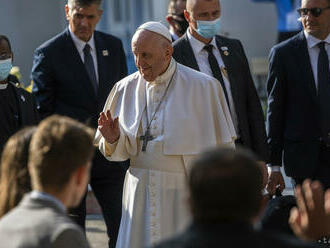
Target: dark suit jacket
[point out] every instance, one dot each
(39, 223)
(230, 236)
(292, 119)
(61, 82)
(28, 114)
(247, 104)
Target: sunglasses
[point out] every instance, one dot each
(316, 12)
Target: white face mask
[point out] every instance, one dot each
(5, 67)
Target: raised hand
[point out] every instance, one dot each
(109, 127)
(310, 220)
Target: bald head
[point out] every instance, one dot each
(152, 53)
(191, 4)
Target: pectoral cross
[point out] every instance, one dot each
(146, 138)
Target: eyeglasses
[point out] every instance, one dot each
(316, 12)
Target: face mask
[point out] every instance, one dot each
(5, 67)
(182, 25)
(208, 29)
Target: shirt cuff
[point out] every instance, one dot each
(274, 168)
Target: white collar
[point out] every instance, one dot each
(313, 41)
(166, 76)
(3, 86)
(80, 44)
(197, 45)
(174, 35)
(45, 196)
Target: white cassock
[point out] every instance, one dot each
(192, 117)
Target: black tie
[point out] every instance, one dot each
(216, 69)
(89, 64)
(323, 78)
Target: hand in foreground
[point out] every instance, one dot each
(310, 220)
(275, 178)
(264, 172)
(109, 127)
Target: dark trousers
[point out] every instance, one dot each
(107, 179)
(322, 173)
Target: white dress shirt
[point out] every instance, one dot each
(201, 56)
(80, 45)
(47, 197)
(314, 50)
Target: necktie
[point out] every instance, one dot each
(216, 69)
(323, 78)
(89, 64)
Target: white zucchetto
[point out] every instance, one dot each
(158, 28)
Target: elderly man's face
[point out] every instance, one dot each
(82, 21)
(151, 55)
(319, 26)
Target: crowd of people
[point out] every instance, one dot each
(178, 154)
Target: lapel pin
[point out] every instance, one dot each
(224, 71)
(23, 98)
(225, 50)
(105, 53)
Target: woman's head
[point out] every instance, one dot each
(14, 175)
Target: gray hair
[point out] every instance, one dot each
(84, 3)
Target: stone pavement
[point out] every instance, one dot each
(96, 231)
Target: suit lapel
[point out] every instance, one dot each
(188, 53)
(226, 51)
(81, 77)
(301, 52)
(103, 63)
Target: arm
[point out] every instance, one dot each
(44, 83)
(275, 119)
(255, 114)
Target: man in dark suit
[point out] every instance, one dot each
(61, 151)
(219, 182)
(18, 107)
(298, 118)
(73, 74)
(201, 49)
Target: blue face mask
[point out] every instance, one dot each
(5, 67)
(208, 29)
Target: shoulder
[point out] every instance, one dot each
(68, 234)
(107, 38)
(192, 76)
(181, 42)
(55, 42)
(128, 81)
(287, 45)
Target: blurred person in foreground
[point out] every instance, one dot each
(225, 192)
(14, 176)
(59, 164)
